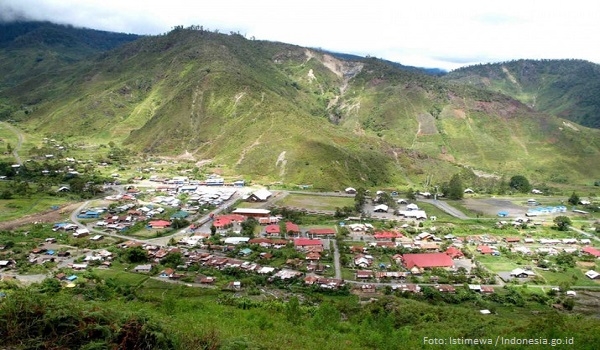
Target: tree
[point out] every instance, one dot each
(213, 230)
(574, 199)
(410, 194)
(562, 222)
(360, 199)
(172, 260)
(136, 255)
(454, 189)
(520, 183)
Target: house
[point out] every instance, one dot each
(291, 228)
(261, 195)
(387, 235)
(207, 280)
(468, 190)
(407, 288)
(159, 224)
(166, 273)
(481, 289)
(143, 268)
(180, 215)
(446, 288)
(592, 251)
(521, 273)
(90, 214)
(251, 212)
(81, 232)
(313, 256)
(321, 232)
(350, 190)
(272, 229)
(485, 249)
(368, 288)
(427, 260)
(363, 261)
(593, 274)
(512, 240)
(81, 266)
(269, 220)
(245, 251)
(381, 208)
(364, 274)
(304, 243)
(454, 252)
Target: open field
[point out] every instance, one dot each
(310, 202)
(25, 210)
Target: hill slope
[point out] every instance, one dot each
(567, 88)
(281, 112)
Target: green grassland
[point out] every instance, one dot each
(19, 207)
(312, 202)
(253, 108)
(199, 317)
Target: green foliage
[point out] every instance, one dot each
(568, 88)
(520, 183)
(359, 199)
(172, 260)
(562, 222)
(248, 227)
(454, 188)
(574, 199)
(136, 255)
(34, 320)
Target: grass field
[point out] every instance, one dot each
(497, 263)
(573, 276)
(311, 202)
(11, 209)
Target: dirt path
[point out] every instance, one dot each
(46, 216)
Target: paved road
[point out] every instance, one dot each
(20, 139)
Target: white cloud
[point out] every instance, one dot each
(425, 33)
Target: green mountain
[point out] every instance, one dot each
(566, 88)
(278, 112)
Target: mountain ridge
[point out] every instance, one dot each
(281, 112)
(566, 88)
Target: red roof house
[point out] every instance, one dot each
(272, 229)
(454, 252)
(306, 242)
(427, 260)
(592, 251)
(159, 223)
(387, 235)
(290, 227)
(485, 249)
(321, 232)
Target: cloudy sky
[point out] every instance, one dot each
(426, 33)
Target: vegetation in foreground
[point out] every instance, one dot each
(113, 314)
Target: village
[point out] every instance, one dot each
(216, 235)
